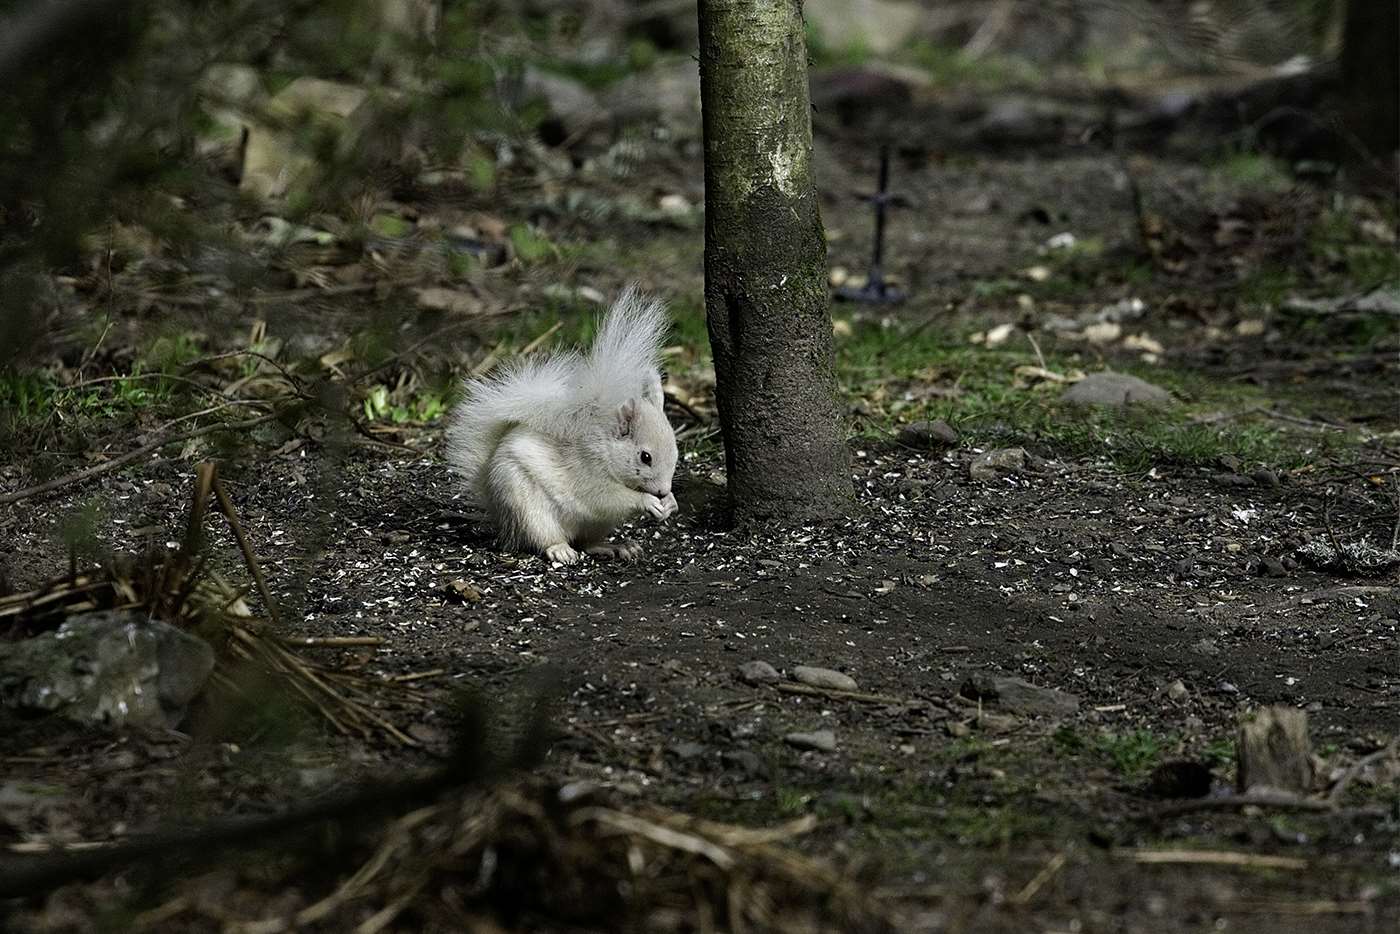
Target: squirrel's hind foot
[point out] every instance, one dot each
(626, 549)
(562, 553)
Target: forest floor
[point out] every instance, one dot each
(1146, 563)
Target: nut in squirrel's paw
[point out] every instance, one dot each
(563, 449)
(663, 507)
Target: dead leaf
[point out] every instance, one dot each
(464, 590)
(442, 299)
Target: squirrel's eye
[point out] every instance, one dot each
(646, 458)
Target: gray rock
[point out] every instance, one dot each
(927, 435)
(746, 762)
(758, 672)
(1018, 696)
(670, 90)
(107, 668)
(990, 464)
(823, 678)
(1206, 647)
(1115, 389)
(1264, 477)
(820, 740)
(567, 99)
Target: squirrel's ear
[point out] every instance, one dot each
(626, 414)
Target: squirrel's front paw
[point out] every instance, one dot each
(562, 553)
(662, 507)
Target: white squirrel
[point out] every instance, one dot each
(562, 449)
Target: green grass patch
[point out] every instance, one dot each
(1130, 754)
(901, 374)
(1256, 170)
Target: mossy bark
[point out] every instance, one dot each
(765, 267)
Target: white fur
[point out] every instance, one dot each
(552, 446)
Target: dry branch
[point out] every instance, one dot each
(97, 470)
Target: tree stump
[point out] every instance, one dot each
(1273, 752)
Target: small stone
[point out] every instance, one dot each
(1178, 691)
(1018, 696)
(1264, 477)
(675, 204)
(989, 464)
(820, 740)
(742, 760)
(1206, 647)
(1115, 389)
(997, 723)
(758, 672)
(1270, 566)
(926, 435)
(1105, 332)
(823, 678)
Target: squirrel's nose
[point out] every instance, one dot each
(662, 494)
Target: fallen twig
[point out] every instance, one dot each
(97, 470)
(1212, 858)
(1334, 797)
(1281, 802)
(334, 641)
(857, 696)
(251, 560)
(1047, 873)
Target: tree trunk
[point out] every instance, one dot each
(1371, 73)
(765, 267)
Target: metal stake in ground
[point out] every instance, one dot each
(876, 291)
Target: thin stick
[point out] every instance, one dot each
(841, 695)
(1284, 802)
(1212, 858)
(97, 470)
(1036, 347)
(1335, 796)
(535, 344)
(419, 675)
(334, 641)
(226, 507)
(1047, 873)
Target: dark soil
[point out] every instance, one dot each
(1169, 603)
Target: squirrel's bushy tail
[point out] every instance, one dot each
(625, 359)
(550, 394)
(534, 391)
